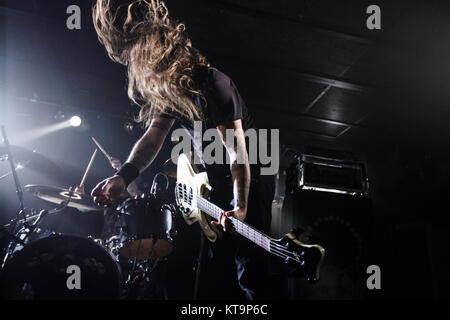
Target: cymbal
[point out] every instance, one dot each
(58, 195)
(31, 159)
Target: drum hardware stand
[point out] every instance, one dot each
(140, 277)
(145, 268)
(29, 229)
(19, 191)
(43, 213)
(12, 237)
(12, 226)
(20, 236)
(142, 269)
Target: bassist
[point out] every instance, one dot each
(172, 81)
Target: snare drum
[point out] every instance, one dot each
(148, 231)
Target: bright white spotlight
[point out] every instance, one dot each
(75, 121)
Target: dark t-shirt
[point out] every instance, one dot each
(223, 104)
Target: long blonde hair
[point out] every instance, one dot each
(159, 57)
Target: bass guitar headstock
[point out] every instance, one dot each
(305, 259)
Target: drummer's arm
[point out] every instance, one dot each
(148, 146)
(132, 189)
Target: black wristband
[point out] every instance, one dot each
(128, 172)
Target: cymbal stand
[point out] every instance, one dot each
(19, 237)
(19, 191)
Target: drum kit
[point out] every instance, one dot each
(39, 264)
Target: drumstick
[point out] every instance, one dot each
(102, 149)
(88, 167)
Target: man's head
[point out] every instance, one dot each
(158, 54)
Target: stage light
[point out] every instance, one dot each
(75, 121)
(24, 137)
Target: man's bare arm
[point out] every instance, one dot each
(142, 155)
(149, 145)
(240, 170)
(132, 188)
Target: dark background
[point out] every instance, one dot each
(310, 68)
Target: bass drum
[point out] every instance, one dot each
(61, 267)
